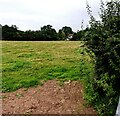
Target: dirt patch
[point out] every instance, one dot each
(51, 98)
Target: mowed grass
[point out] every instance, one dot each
(26, 64)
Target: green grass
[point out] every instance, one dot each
(26, 64)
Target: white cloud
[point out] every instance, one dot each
(31, 14)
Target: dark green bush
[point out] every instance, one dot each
(104, 41)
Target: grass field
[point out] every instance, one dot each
(26, 64)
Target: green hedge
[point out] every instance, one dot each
(103, 37)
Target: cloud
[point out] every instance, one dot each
(31, 14)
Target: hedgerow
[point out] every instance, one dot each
(103, 40)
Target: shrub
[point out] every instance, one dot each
(104, 41)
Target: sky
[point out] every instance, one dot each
(34, 14)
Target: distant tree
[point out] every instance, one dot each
(79, 36)
(29, 35)
(38, 36)
(0, 32)
(48, 33)
(14, 27)
(61, 35)
(9, 33)
(67, 30)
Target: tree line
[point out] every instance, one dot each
(46, 33)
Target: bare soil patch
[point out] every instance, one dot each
(51, 98)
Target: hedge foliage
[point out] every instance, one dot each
(103, 40)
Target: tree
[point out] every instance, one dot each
(49, 33)
(67, 30)
(104, 41)
(80, 35)
(0, 32)
(9, 33)
(29, 35)
(61, 35)
(14, 27)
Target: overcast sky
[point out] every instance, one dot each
(33, 14)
